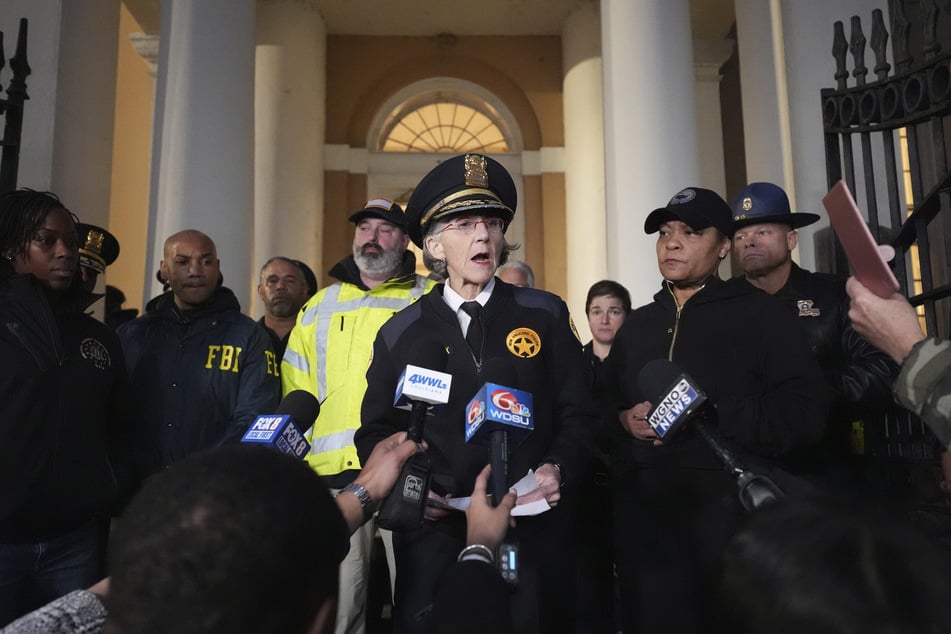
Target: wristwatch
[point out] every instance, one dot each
(360, 492)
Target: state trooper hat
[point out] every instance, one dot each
(761, 203)
(698, 207)
(464, 184)
(97, 247)
(382, 208)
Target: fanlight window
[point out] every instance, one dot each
(443, 127)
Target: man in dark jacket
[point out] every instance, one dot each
(859, 375)
(200, 370)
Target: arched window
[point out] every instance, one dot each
(448, 116)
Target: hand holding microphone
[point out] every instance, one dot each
(682, 400)
(634, 420)
(420, 389)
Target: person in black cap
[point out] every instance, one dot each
(327, 355)
(97, 249)
(859, 375)
(675, 506)
(490, 331)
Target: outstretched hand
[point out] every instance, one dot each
(486, 524)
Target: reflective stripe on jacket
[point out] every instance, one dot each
(328, 354)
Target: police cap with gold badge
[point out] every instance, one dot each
(466, 184)
(766, 203)
(97, 247)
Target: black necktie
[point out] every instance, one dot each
(475, 334)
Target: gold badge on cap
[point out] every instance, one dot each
(523, 342)
(476, 171)
(94, 240)
(747, 203)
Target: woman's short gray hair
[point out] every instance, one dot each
(439, 266)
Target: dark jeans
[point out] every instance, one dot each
(34, 573)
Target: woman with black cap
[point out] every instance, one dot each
(487, 330)
(675, 505)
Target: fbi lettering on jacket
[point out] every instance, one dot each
(223, 357)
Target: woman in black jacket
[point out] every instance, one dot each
(60, 410)
(675, 506)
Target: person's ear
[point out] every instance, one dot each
(162, 274)
(792, 239)
(433, 244)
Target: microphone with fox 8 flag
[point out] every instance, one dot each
(499, 417)
(682, 399)
(284, 429)
(422, 391)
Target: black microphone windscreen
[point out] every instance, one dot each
(656, 377)
(301, 405)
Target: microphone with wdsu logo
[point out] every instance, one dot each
(284, 429)
(422, 391)
(682, 399)
(499, 417)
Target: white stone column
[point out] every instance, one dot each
(709, 57)
(650, 126)
(765, 98)
(785, 49)
(85, 107)
(584, 158)
(289, 101)
(203, 152)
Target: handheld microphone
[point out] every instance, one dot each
(499, 417)
(284, 429)
(420, 389)
(682, 399)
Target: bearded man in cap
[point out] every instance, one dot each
(858, 374)
(484, 330)
(328, 353)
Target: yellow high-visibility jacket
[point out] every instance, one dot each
(328, 354)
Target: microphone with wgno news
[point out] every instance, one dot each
(422, 390)
(499, 417)
(682, 399)
(284, 429)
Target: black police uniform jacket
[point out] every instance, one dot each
(859, 375)
(553, 372)
(748, 355)
(675, 505)
(199, 377)
(62, 419)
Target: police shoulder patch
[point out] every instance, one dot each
(95, 351)
(523, 342)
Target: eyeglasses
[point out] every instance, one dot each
(467, 226)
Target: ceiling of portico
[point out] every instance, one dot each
(711, 19)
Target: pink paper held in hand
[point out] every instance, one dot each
(866, 261)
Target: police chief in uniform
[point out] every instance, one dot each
(518, 337)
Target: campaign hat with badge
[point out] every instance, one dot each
(97, 247)
(764, 203)
(697, 207)
(466, 184)
(382, 208)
